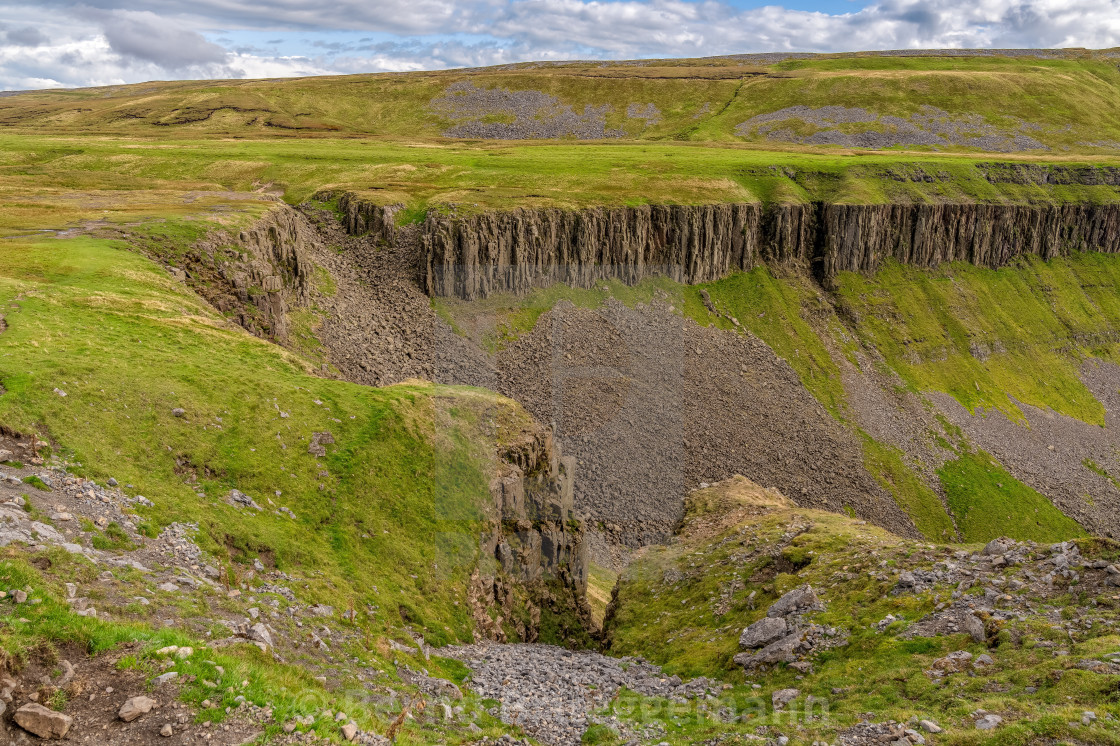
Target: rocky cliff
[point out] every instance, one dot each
(472, 256)
(360, 217)
(255, 275)
(535, 543)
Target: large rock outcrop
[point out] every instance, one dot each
(534, 557)
(361, 217)
(256, 275)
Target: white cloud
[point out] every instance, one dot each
(112, 41)
(147, 37)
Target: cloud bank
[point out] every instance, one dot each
(57, 43)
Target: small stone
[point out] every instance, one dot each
(930, 727)
(44, 723)
(167, 731)
(179, 412)
(184, 652)
(988, 722)
(19, 596)
(259, 633)
(135, 707)
(164, 678)
(350, 731)
(783, 697)
(983, 660)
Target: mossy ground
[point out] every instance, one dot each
(989, 503)
(672, 608)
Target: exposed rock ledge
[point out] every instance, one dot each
(473, 256)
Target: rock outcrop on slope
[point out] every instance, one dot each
(535, 544)
(475, 255)
(256, 275)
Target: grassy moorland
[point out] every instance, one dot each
(1066, 100)
(387, 523)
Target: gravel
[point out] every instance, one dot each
(553, 693)
(632, 394)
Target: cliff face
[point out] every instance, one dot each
(258, 274)
(473, 256)
(360, 217)
(534, 558)
(858, 238)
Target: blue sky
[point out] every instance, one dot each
(61, 43)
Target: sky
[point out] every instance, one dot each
(58, 43)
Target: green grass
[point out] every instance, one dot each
(37, 483)
(988, 503)
(920, 503)
(1070, 101)
(393, 507)
(669, 597)
(993, 338)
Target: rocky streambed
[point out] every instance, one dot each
(555, 694)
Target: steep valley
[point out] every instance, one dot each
(758, 399)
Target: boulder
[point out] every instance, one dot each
(781, 651)
(763, 632)
(135, 707)
(237, 497)
(998, 547)
(975, 628)
(797, 601)
(44, 723)
(954, 662)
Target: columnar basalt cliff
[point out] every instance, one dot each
(473, 256)
(360, 217)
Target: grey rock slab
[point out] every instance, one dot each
(797, 601)
(763, 632)
(44, 723)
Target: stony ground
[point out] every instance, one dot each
(555, 694)
(854, 127)
(632, 394)
(168, 581)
